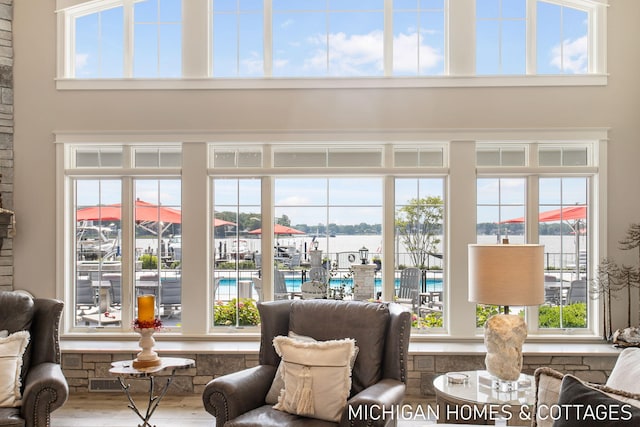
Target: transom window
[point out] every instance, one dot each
(330, 39)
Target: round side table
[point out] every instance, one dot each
(469, 397)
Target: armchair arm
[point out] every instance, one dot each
(377, 405)
(45, 390)
(234, 394)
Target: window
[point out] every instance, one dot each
(501, 36)
(124, 246)
(563, 41)
(560, 207)
(329, 41)
(419, 240)
(157, 38)
(104, 46)
(291, 219)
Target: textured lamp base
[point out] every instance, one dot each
(504, 335)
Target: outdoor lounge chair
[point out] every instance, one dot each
(381, 332)
(577, 292)
(409, 290)
(279, 286)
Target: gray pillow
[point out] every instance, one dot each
(581, 405)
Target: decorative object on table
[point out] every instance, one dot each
(507, 275)
(627, 337)
(146, 324)
(364, 255)
(457, 378)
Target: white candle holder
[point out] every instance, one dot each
(147, 357)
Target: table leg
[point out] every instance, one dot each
(154, 401)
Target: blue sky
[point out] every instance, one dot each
(331, 38)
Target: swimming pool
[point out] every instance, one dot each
(227, 286)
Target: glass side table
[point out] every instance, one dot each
(469, 397)
(124, 370)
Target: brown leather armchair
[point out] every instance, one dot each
(45, 388)
(381, 332)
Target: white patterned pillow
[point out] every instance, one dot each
(11, 350)
(317, 377)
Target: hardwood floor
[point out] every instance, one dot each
(111, 410)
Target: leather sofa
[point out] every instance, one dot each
(381, 332)
(44, 386)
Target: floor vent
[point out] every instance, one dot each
(104, 384)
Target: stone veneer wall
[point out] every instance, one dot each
(80, 367)
(6, 134)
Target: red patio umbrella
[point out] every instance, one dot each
(279, 229)
(564, 214)
(144, 212)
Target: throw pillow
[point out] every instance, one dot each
(626, 371)
(548, 382)
(582, 405)
(11, 351)
(278, 380)
(317, 377)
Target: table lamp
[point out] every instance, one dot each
(506, 275)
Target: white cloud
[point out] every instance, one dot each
(287, 23)
(572, 56)
(405, 51)
(358, 53)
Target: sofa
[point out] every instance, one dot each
(33, 384)
(309, 371)
(563, 400)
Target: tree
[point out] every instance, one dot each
(419, 223)
(630, 242)
(606, 284)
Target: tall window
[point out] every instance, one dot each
(124, 235)
(560, 207)
(419, 246)
(563, 229)
(237, 255)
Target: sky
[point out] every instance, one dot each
(331, 38)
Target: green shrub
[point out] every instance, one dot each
(149, 262)
(231, 265)
(431, 320)
(483, 312)
(573, 316)
(225, 313)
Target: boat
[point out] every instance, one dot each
(95, 243)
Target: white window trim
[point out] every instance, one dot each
(461, 180)
(460, 64)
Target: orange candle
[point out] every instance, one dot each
(146, 308)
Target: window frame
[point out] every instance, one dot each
(460, 174)
(459, 55)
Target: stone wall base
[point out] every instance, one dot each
(79, 368)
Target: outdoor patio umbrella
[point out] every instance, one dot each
(145, 214)
(575, 214)
(563, 214)
(279, 229)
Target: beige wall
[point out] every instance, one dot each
(40, 110)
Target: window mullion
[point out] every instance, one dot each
(387, 57)
(531, 31)
(127, 38)
(267, 17)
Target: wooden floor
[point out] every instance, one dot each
(111, 410)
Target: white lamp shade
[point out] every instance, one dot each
(509, 275)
